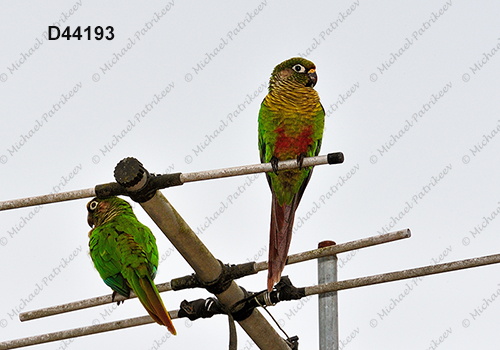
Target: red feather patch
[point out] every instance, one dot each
(288, 147)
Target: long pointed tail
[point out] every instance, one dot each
(280, 237)
(149, 296)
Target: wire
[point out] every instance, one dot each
(265, 308)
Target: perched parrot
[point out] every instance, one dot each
(124, 253)
(291, 123)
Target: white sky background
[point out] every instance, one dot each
(349, 53)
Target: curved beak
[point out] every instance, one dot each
(90, 220)
(313, 78)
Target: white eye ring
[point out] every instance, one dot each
(93, 205)
(299, 68)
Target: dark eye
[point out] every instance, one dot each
(93, 205)
(299, 68)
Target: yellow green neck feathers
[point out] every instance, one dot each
(289, 95)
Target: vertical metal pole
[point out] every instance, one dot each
(328, 302)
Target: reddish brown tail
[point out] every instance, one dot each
(280, 237)
(154, 305)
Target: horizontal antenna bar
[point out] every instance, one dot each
(332, 158)
(79, 332)
(47, 198)
(340, 248)
(260, 266)
(404, 274)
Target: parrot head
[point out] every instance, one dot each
(297, 70)
(101, 211)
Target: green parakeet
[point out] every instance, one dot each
(124, 253)
(291, 123)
